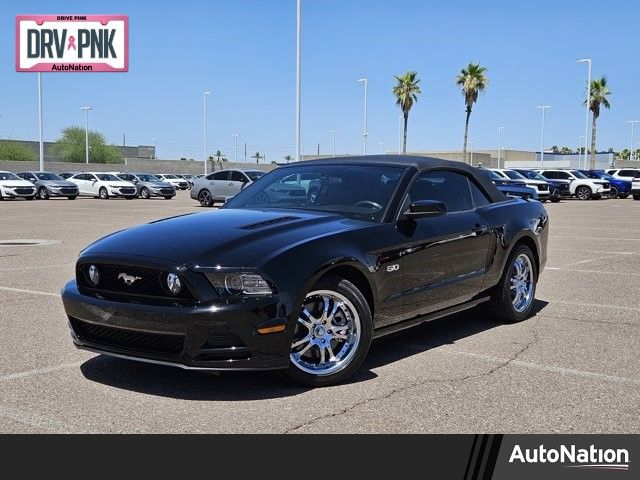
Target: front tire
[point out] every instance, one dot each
(332, 334)
(72, 197)
(144, 193)
(43, 193)
(104, 194)
(583, 193)
(512, 300)
(614, 193)
(205, 198)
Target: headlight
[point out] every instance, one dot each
(173, 283)
(115, 186)
(239, 283)
(94, 274)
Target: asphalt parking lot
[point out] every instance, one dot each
(573, 368)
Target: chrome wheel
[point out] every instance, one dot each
(327, 333)
(521, 283)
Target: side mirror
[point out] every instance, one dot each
(425, 208)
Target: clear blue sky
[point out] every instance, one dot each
(244, 51)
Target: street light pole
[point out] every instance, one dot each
(40, 141)
(543, 108)
(365, 132)
(155, 148)
(334, 133)
(499, 144)
(204, 101)
(298, 75)
(586, 126)
(632, 122)
(236, 153)
(86, 133)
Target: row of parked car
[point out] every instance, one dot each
(555, 184)
(44, 185)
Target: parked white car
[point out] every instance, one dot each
(540, 186)
(103, 185)
(221, 185)
(12, 186)
(177, 182)
(580, 186)
(625, 173)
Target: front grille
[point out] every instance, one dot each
(24, 191)
(127, 191)
(68, 190)
(543, 188)
(125, 339)
(167, 191)
(183, 184)
(149, 282)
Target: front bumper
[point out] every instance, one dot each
(18, 192)
(63, 191)
(220, 335)
(162, 192)
(125, 192)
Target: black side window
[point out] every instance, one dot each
(628, 173)
(223, 175)
(562, 175)
(551, 175)
(478, 196)
(448, 187)
(238, 176)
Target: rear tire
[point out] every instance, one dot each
(636, 196)
(329, 348)
(504, 304)
(43, 193)
(623, 195)
(104, 194)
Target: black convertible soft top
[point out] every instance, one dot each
(421, 164)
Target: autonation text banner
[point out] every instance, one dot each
(72, 43)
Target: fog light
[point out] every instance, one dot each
(94, 274)
(173, 283)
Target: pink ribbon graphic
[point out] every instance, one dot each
(72, 43)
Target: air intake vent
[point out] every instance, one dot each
(267, 223)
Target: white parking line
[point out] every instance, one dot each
(599, 272)
(593, 251)
(596, 238)
(39, 371)
(31, 292)
(549, 368)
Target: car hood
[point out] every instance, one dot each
(120, 183)
(531, 181)
(57, 183)
(15, 183)
(157, 184)
(226, 238)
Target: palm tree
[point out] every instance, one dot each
(472, 80)
(219, 155)
(406, 91)
(287, 158)
(599, 97)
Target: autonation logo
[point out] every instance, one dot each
(574, 457)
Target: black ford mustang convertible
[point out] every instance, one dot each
(303, 268)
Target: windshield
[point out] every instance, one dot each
(8, 176)
(187, 176)
(148, 178)
(356, 191)
(533, 175)
(493, 175)
(254, 174)
(173, 177)
(107, 177)
(513, 175)
(578, 174)
(48, 176)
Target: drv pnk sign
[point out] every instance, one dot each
(72, 43)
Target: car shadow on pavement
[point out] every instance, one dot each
(246, 386)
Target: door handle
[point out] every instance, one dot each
(480, 229)
(230, 184)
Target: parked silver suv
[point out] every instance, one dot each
(221, 185)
